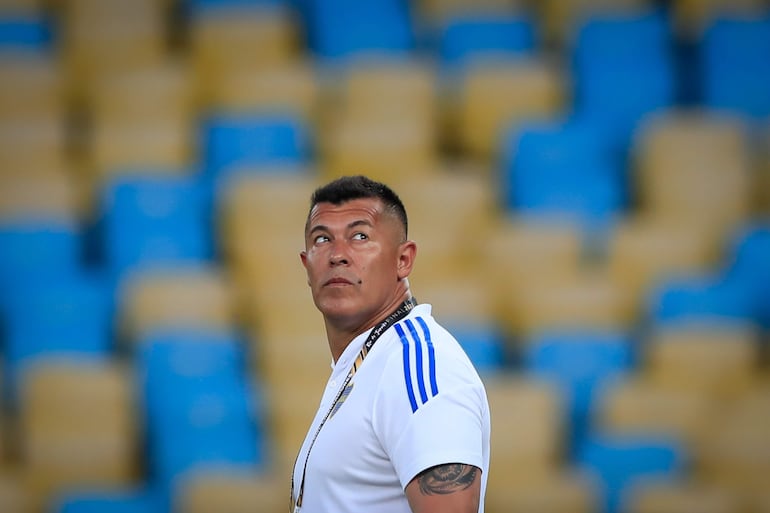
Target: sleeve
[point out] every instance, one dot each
(445, 428)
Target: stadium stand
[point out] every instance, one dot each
(587, 182)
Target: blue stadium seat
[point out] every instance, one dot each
(250, 142)
(129, 501)
(749, 264)
(617, 461)
(340, 29)
(198, 405)
(468, 37)
(71, 315)
(700, 298)
(153, 220)
(483, 343)
(579, 363)
(562, 168)
(623, 68)
(24, 33)
(34, 251)
(735, 66)
(38, 247)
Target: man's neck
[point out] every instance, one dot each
(340, 334)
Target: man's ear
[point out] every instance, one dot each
(303, 259)
(406, 257)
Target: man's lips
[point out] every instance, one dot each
(338, 281)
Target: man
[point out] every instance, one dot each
(403, 425)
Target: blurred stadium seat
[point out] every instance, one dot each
(78, 422)
(637, 405)
(579, 364)
(716, 358)
(618, 461)
(231, 489)
(492, 97)
(152, 220)
(694, 166)
(189, 295)
(338, 30)
(473, 36)
(562, 170)
(529, 416)
(676, 496)
(736, 72)
(644, 251)
(623, 68)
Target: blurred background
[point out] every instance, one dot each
(588, 182)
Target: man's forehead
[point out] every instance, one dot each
(364, 208)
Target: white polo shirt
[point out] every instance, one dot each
(416, 402)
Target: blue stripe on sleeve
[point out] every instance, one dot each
(431, 356)
(407, 376)
(418, 361)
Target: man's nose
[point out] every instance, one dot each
(339, 255)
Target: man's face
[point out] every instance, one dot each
(353, 259)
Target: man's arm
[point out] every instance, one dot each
(450, 488)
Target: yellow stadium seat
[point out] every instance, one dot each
(721, 359)
(736, 449)
(450, 215)
(383, 149)
(385, 89)
(13, 496)
(637, 405)
(562, 491)
(231, 489)
(528, 426)
(33, 145)
(193, 297)
(291, 403)
(276, 201)
(680, 496)
(141, 120)
(457, 299)
(520, 254)
(31, 87)
(78, 427)
(493, 97)
(231, 39)
(695, 166)
(287, 87)
(381, 119)
(102, 36)
(589, 300)
(51, 195)
(643, 251)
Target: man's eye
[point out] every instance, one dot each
(319, 239)
(360, 236)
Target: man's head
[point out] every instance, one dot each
(357, 256)
(349, 188)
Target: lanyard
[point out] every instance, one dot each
(378, 330)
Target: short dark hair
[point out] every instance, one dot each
(348, 188)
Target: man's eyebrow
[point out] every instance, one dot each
(360, 222)
(324, 228)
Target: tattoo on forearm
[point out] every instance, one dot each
(445, 479)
